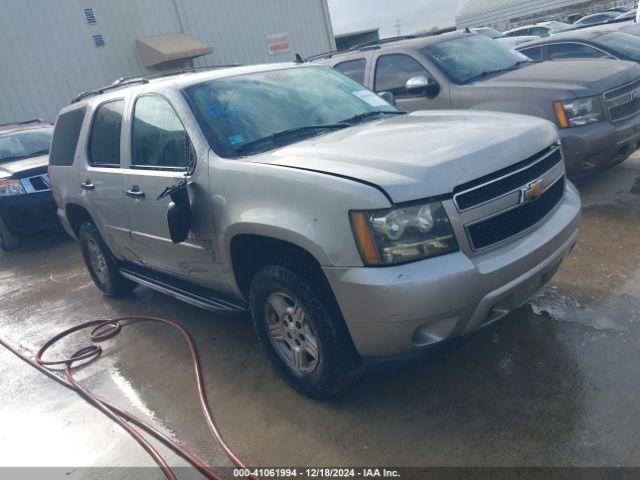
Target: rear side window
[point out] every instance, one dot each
(393, 71)
(534, 53)
(539, 31)
(65, 138)
(104, 142)
(518, 33)
(561, 51)
(354, 69)
(159, 139)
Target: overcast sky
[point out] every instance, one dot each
(414, 15)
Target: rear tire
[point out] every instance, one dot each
(103, 266)
(301, 330)
(8, 240)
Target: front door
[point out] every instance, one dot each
(391, 73)
(159, 146)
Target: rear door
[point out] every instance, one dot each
(157, 159)
(102, 181)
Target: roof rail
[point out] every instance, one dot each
(24, 122)
(144, 78)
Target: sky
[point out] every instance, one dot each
(414, 15)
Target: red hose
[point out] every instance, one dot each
(104, 330)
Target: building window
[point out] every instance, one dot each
(98, 40)
(89, 16)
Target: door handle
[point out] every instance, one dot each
(135, 192)
(87, 185)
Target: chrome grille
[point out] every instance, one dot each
(508, 224)
(623, 102)
(504, 204)
(35, 184)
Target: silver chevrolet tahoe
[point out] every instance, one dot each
(349, 229)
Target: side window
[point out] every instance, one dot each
(539, 31)
(534, 53)
(158, 138)
(518, 33)
(561, 51)
(65, 138)
(104, 141)
(393, 71)
(354, 69)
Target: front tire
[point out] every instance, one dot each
(8, 240)
(302, 331)
(103, 266)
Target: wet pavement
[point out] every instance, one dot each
(555, 384)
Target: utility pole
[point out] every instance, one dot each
(398, 28)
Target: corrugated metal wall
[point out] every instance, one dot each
(48, 54)
(478, 13)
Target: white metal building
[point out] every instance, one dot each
(51, 50)
(503, 14)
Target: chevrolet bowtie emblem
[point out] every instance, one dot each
(531, 191)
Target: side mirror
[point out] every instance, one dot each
(422, 85)
(179, 216)
(388, 97)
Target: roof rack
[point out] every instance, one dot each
(144, 78)
(24, 122)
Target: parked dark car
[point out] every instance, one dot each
(596, 19)
(584, 44)
(588, 100)
(26, 203)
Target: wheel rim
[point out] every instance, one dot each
(291, 333)
(97, 261)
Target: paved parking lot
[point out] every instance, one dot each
(556, 383)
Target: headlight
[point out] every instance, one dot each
(579, 112)
(404, 234)
(11, 187)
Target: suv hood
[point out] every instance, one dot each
(24, 167)
(582, 77)
(421, 155)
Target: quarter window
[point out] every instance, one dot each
(561, 51)
(534, 53)
(354, 69)
(65, 138)
(104, 142)
(159, 139)
(393, 71)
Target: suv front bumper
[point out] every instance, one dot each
(599, 145)
(29, 213)
(394, 310)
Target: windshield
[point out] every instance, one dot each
(489, 32)
(471, 57)
(15, 146)
(622, 43)
(559, 26)
(281, 106)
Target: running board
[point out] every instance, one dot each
(187, 292)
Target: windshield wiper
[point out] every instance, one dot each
(289, 132)
(482, 75)
(364, 116)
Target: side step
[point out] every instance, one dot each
(187, 292)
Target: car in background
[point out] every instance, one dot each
(595, 19)
(542, 29)
(630, 15)
(26, 203)
(509, 42)
(584, 44)
(587, 100)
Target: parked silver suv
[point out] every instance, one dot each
(348, 228)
